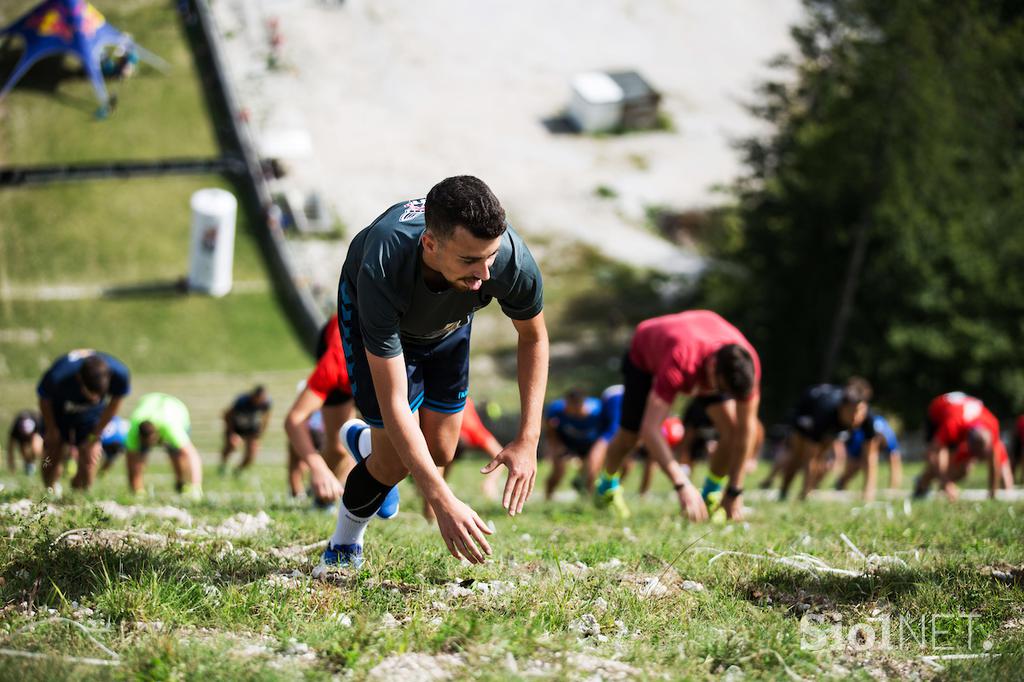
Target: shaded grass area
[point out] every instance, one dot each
(110, 231)
(184, 607)
(49, 116)
(238, 333)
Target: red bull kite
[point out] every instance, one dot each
(68, 26)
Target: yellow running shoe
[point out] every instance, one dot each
(614, 498)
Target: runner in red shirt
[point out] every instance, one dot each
(959, 429)
(696, 353)
(327, 389)
(1018, 446)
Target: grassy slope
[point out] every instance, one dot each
(49, 117)
(129, 232)
(213, 600)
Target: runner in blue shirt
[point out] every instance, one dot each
(863, 447)
(574, 426)
(112, 440)
(78, 395)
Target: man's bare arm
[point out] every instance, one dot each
(462, 529)
(745, 439)
(520, 456)
(325, 484)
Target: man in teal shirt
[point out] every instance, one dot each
(409, 287)
(163, 419)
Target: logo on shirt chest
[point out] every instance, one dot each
(71, 407)
(413, 209)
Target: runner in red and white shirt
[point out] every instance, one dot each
(960, 429)
(328, 390)
(695, 353)
(1017, 461)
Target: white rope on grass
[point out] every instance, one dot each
(933, 661)
(114, 659)
(849, 543)
(804, 562)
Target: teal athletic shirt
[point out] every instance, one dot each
(383, 272)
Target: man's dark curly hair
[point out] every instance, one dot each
(735, 369)
(857, 390)
(464, 200)
(95, 374)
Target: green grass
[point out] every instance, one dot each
(190, 607)
(49, 116)
(128, 234)
(109, 231)
(172, 334)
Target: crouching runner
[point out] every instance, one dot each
(409, 287)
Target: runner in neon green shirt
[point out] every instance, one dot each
(163, 419)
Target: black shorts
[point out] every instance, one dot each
(636, 387)
(75, 431)
(112, 451)
(244, 433)
(930, 428)
(337, 397)
(438, 373)
(575, 447)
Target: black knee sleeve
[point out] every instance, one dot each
(364, 494)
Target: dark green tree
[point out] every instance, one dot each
(881, 226)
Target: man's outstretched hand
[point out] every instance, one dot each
(520, 458)
(463, 531)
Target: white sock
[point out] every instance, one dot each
(350, 528)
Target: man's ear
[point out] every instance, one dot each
(429, 241)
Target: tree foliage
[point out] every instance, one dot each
(904, 120)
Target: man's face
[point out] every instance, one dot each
(853, 414)
(463, 260)
(89, 396)
(574, 406)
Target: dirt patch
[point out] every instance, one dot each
(125, 513)
(1007, 574)
(590, 667)
(666, 583)
(27, 507)
(416, 667)
(795, 603)
(110, 538)
(240, 525)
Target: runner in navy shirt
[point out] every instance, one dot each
(824, 413)
(78, 395)
(864, 446)
(408, 291)
(244, 422)
(575, 424)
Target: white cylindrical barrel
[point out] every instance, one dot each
(212, 252)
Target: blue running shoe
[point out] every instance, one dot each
(341, 556)
(390, 506)
(351, 433)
